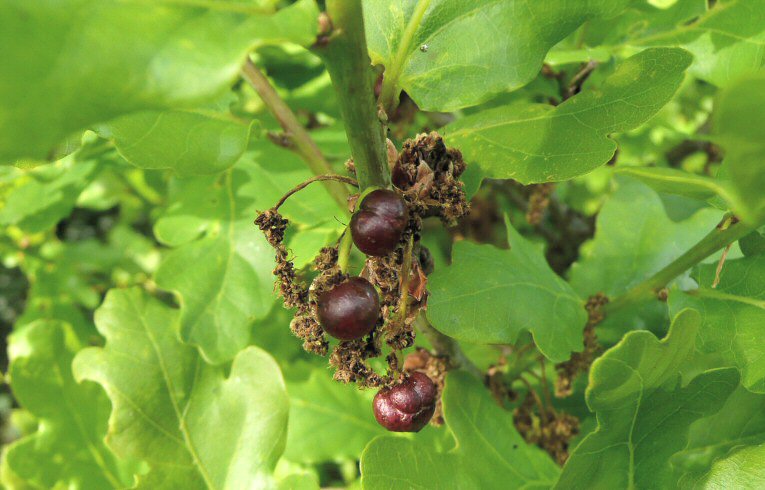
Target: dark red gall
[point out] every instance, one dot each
(407, 406)
(349, 310)
(377, 225)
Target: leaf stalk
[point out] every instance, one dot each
(727, 232)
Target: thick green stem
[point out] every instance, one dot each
(719, 238)
(345, 55)
(298, 136)
(390, 89)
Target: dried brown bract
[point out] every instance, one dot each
(549, 430)
(539, 200)
(580, 362)
(307, 328)
(294, 292)
(273, 226)
(349, 358)
(428, 173)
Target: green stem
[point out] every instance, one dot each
(345, 55)
(344, 250)
(390, 88)
(719, 238)
(301, 141)
(406, 269)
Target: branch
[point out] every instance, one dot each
(727, 232)
(301, 141)
(345, 55)
(447, 346)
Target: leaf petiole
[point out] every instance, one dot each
(727, 232)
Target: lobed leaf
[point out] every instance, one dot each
(541, 143)
(643, 413)
(733, 316)
(223, 278)
(329, 421)
(188, 142)
(221, 264)
(739, 121)
(67, 449)
(727, 41)
(634, 239)
(740, 423)
(194, 426)
(36, 199)
(70, 64)
(450, 54)
(490, 295)
(742, 468)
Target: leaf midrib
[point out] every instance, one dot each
(721, 296)
(182, 426)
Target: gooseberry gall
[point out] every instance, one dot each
(377, 225)
(407, 406)
(349, 310)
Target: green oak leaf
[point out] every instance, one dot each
(35, 199)
(65, 66)
(541, 143)
(61, 286)
(221, 264)
(450, 54)
(188, 142)
(634, 214)
(733, 316)
(739, 121)
(741, 422)
(195, 426)
(67, 449)
(727, 42)
(223, 279)
(742, 468)
(329, 421)
(490, 295)
(643, 412)
(487, 453)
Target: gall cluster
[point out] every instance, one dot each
(382, 302)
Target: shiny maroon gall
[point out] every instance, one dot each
(408, 406)
(349, 310)
(377, 225)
